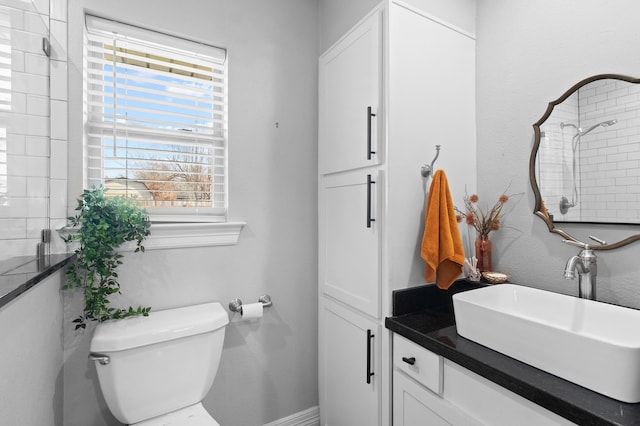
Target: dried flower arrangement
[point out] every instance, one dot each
(483, 221)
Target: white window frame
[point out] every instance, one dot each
(175, 227)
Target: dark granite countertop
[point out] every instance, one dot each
(19, 274)
(424, 315)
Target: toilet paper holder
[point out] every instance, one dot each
(236, 304)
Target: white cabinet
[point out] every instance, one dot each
(349, 247)
(349, 221)
(464, 397)
(418, 363)
(392, 88)
(415, 405)
(418, 385)
(350, 360)
(349, 96)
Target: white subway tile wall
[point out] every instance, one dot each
(33, 149)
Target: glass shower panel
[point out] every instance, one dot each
(24, 127)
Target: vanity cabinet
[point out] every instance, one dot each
(415, 405)
(461, 398)
(418, 388)
(390, 89)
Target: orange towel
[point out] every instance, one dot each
(441, 244)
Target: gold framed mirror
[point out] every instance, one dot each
(585, 161)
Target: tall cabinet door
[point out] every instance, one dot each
(349, 99)
(349, 249)
(349, 358)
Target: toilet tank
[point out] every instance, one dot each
(160, 363)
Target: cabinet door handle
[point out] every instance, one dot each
(370, 373)
(369, 218)
(410, 360)
(369, 115)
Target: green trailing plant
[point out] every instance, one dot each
(102, 225)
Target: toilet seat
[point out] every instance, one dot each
(193, 415)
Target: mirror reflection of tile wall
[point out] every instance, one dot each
(607, 157)
(610, 156)
(554, 159)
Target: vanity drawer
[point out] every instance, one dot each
(418, 363)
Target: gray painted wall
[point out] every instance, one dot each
(31, 357)
(528, 54)
(269, 368)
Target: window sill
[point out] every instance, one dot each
(185, 234)
(194, 234)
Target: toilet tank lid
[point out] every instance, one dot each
(159, 326)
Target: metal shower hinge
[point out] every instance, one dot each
(46, 46)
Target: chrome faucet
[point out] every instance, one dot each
(585, 264)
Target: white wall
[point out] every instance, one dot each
(31, 357)
(529, 53)
(269, 368)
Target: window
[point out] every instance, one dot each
(156, 120)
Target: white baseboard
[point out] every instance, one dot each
(309, 417)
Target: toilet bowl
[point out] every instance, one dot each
(156, 370)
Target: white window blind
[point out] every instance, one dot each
(156, 119)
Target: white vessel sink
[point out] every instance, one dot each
(592, 344)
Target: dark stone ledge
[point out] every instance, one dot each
(19, 274)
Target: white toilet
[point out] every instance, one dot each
(155, 370)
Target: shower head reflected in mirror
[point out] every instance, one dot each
(607, 123)
(565, 204)
(582, 132)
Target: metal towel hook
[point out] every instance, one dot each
(426, 170)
